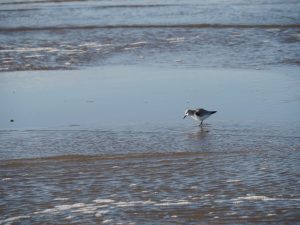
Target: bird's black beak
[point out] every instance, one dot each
(184, 116)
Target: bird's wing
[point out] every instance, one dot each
(201, 112)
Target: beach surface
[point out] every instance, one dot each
(110, 145)
(92, 99)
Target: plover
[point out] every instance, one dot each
(198, 114)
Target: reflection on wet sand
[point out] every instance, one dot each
(201, 133)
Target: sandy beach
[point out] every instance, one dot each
(92, 99)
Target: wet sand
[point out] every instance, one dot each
(231, 187)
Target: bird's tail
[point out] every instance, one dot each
(212, 112)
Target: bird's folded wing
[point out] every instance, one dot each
(201, 112)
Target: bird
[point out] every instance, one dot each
(198, 114)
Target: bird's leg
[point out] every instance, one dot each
(201, 123)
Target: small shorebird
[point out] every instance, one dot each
(198, 114)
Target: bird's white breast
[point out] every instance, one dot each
(195, 117)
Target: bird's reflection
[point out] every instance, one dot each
(200, 134)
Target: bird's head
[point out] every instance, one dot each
(187, 112)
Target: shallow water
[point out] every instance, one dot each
(48, 35)
(112, 97)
